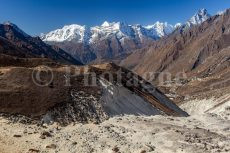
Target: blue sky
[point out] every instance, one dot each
(37, 16)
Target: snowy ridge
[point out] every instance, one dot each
(120, 30)
(68, 33)
(221, 12)
(201, 16)
(162, 29)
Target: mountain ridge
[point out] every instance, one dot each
(73, 31)
(23, 45)
(156, 30)
(113, 39)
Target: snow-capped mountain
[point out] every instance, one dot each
(162, 29)
(74, 32)
(201, 16)
(113, 39)
(106, 30)
(83, 34)
(87, 35)
(109, 40)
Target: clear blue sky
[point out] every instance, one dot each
(37, 16)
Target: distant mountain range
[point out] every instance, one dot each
(115, 40)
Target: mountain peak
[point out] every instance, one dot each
(116, 25)
(202, 11)
(15, 27)
(9, 23)
(67, 33)
(161, 28)
(198, 18)
(105, 24)
(177, 25)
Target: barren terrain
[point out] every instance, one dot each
(207, 130)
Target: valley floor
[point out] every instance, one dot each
(133, 134)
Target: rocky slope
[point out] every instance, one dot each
(201, 53)
(16, 42)
(112, 40)
(53, 100)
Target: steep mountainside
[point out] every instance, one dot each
(201, 52)
(15, 42)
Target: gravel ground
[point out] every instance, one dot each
(134, 134)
